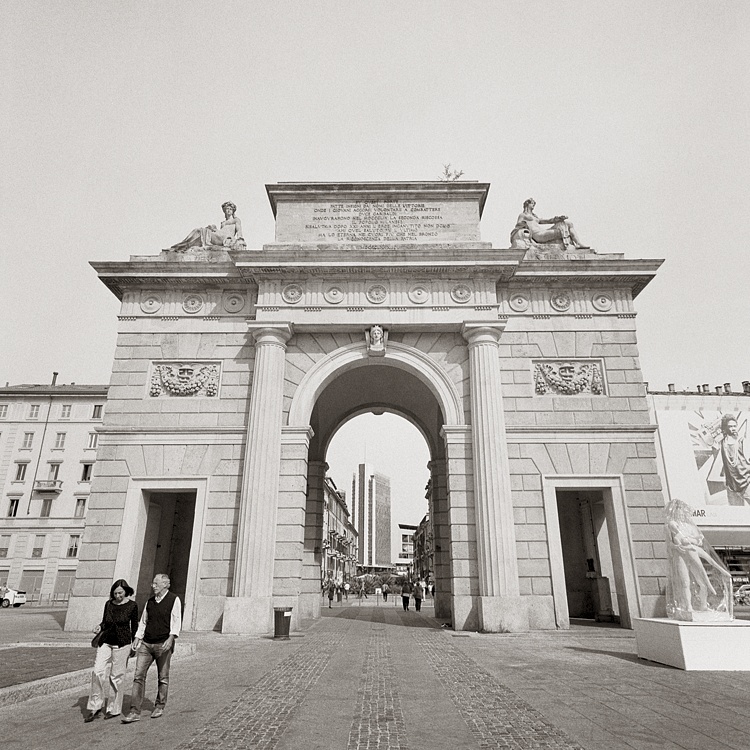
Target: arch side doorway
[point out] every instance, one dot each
(590, 550)
(402, 385)
(164, 534)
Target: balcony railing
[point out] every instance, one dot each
(45, 486)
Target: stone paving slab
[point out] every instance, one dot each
(370, 677)
(27, 663)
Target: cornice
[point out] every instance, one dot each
(636, 273)
(579, 433)
(371, 191)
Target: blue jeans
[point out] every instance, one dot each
(146, 655)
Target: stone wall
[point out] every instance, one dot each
(182, 436)
(583, 435)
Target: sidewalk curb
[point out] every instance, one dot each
(57, 683)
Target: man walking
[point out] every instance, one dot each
(406, 589)
(160, 624)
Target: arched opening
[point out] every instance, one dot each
(391, 409)
(379, 462)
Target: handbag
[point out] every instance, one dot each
(96, 641)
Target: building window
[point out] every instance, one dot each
(65, 411)
(38, 547)
(34, 411)
(60, 440)
(93, 440)
(80, 507)
(97, 414)
(75, 540)
(46, 507)
(20, 472)
(13, 507)
(28, 439)
(54, 471)
(4, 545)
(86, 472)
(3, 411)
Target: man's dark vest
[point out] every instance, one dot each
(158, 618)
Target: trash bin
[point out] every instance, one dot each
(282, 617)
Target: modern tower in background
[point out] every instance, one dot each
(371, 506)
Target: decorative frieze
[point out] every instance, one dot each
(233, 302)
(536, 300)
(192, 303)
(151, 303)
(374, 292)
(568, 378)
(179, 379)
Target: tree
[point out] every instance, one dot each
(450, 175)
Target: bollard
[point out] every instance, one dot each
(282, 617)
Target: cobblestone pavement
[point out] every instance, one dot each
(261, 714)
(495, 715)
(367, 677)
(378, 719)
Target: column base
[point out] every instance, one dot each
(84, 613)
(309, 606)
(503, 614)
(251, 615)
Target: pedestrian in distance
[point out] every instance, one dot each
(347, 586)
(418, 596)
(115, 634)
(331, 592)
(385, 590)
(160, 624)
(406, 591)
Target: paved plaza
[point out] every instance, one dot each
(369, 675)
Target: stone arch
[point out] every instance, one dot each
(397, 355)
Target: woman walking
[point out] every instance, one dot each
(117, 631)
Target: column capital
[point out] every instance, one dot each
(456, 434)
(271, 333)
(483, 332)
(297, 435)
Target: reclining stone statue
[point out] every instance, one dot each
(228, 236)
(544, 237)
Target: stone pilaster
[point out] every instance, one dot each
(312, 553)
(250, 608)
(501, 608)
(440, 538)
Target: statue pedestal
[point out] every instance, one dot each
(694, 646)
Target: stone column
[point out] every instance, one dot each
(250, 608)
(501, 608)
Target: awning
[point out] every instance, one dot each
(727, 536)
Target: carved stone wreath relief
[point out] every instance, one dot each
(179, 379)
(568, 378)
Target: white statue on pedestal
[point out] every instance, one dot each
(699, 587)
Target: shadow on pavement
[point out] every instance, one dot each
(623, 655)
(379, 614)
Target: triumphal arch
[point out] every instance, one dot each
(235, 366)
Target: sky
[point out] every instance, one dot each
(124, 125)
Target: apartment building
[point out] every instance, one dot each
(48, 444)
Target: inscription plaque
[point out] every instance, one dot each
(377, 221)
